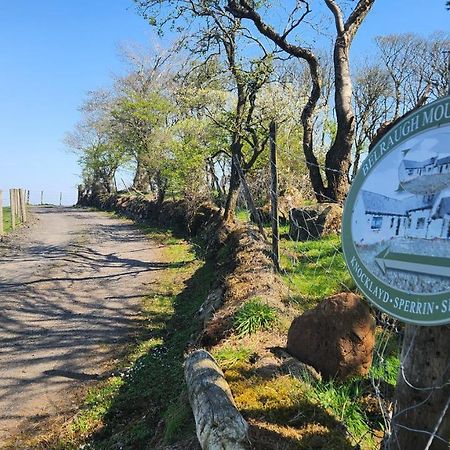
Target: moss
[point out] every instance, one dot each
(292, 414)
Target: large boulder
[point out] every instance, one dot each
(311, 222)
(265, 215)
(337, 337)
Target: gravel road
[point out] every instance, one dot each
(70, 289)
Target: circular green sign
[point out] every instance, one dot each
(396, 222)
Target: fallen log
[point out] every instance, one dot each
(219, 424)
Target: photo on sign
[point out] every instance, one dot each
(401, 220)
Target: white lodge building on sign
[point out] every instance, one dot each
(426, 216)
(419, 207)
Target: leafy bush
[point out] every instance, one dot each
(254, 315)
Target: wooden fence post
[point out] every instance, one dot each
(23, 199)
(422, 394)
(12, 204)
(19, 204)
(1, 214)
(274, 196)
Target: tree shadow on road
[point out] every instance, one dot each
(67, 316)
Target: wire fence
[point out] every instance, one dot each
(47, 197)
(312, 264)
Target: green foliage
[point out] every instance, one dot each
(242, 215)
(386, 363)
(178, 420)
(254, 315)
(386, 369)
(100, 162)
(302, 414)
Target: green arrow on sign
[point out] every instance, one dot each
(431, 265)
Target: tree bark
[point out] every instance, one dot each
(338, 159)
(236, 146)
(423, 391)
(233, 194)
(141, 180)
(161, 185)
(229, 43)
(219, 424)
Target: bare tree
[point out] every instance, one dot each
(396, 51)
(417, 67)
(374, 104)
(338, 158)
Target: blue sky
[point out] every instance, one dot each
(53, 51)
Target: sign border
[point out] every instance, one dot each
(389, 297)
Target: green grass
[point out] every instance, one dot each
(314, 269)
(344, 403)
(147, 390)
(243, 215)
(386, 362)
(345, 414)
(228, 356)
(252, 316)
(6, 219)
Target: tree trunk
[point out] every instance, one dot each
(236, 146)
(423, 391)
(219, 424)
(233, 194)
(141, 180)
(338, 157)
(358, 150)
(307, 123)
(161, 185)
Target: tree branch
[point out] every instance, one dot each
(357, 16)
(338, 16)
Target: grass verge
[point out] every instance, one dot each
(290, 412)
(287, 411)
(6, 219)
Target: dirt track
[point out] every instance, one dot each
(69, 291)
